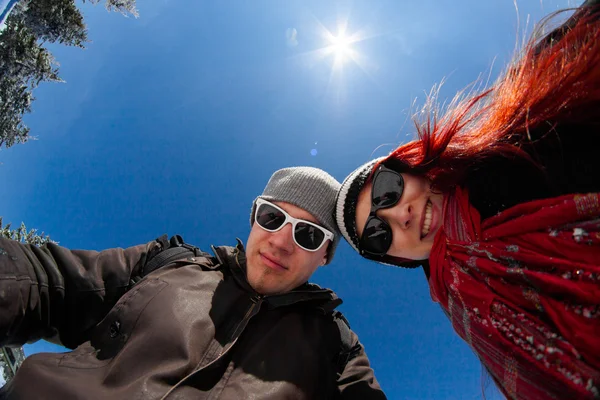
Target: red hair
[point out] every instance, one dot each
(554, 81)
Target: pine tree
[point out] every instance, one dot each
(122, 6)
(54, 21)
(15, 100)
(22, 235)
(10, 361)
(25, 63)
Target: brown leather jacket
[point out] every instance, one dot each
(193, 329)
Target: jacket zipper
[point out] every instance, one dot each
(256, 300)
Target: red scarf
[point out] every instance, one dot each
(523, 290)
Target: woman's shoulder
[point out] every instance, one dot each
(499, 183)
(569, 156)
(566, 163)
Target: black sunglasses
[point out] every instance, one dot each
(386, 191)
(307, 235)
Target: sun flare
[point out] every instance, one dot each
(341, 50)
(340, 47)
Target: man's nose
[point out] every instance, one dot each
(282, 239)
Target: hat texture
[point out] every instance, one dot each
(309, 188)
(345, 214)
(345, 209)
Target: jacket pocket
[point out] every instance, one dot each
(112, 333)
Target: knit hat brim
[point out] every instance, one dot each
(347, 199)
(310, 189)
(345, 214)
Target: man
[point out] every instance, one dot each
(241, 324)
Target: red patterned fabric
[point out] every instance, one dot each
(523, 290)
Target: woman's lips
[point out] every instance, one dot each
(424, 220)
(435, 220)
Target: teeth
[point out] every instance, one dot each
(427, 221)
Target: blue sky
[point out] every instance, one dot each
(173, 123)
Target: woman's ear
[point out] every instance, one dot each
(324, 261)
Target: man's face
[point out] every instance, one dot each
(275, 263)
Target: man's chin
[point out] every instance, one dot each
(260, 284)
(265, 291)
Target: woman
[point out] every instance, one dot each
(499, 201)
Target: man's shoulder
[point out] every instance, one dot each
(176, 250)
(226, 254)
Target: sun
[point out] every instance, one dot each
(340, 47)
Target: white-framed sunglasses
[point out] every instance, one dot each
(307, 235)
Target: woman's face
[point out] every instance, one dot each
(414, 220)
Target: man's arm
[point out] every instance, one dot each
(358, 379)
(58, 294)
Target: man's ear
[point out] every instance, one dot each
(324, 261)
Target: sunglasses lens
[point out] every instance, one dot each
(377, 237)
(308, 236)
(387, 189)
(269, 217)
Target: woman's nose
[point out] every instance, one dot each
(401, 215)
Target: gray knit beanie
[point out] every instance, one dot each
(311, 189)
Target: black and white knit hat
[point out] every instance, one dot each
(347, 198)
(311, 189)
(345, 214)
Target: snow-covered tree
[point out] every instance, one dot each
(21, 234)
(53, 21)
(123, 6)
(25, 62)
(10, 361)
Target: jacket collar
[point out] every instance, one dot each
(234, 259)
